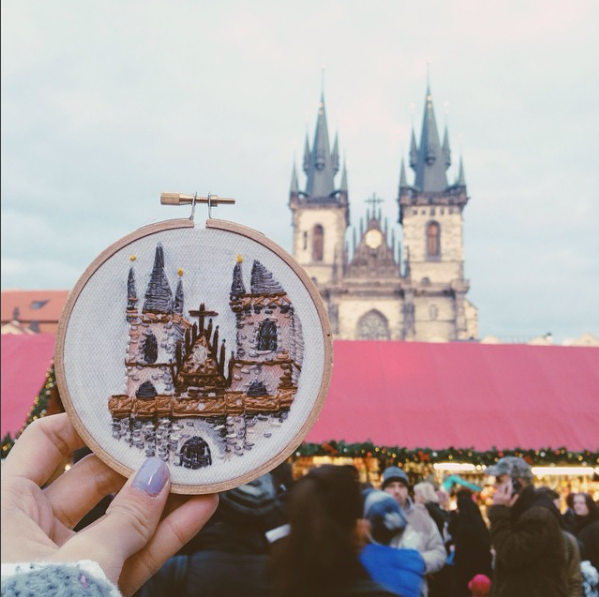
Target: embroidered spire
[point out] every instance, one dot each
(238, 287)
(158, 293)
(179, 298)
(262, 281)
(131, 291)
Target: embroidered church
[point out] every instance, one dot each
(380, 288)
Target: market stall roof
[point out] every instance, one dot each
(462, 395)
(25, 361)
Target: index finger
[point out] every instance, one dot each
(41, 448)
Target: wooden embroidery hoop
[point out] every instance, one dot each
(70, 401)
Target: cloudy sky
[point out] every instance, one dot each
(105, 104)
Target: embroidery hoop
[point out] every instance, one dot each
(78, 376)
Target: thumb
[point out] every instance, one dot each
(129, 522)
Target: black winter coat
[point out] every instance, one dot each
(530, 558)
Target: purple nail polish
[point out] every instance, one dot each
(151, 477)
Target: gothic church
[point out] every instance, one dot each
(378, 289)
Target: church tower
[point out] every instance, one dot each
(431, 214)
(321, 212)
(377, 288)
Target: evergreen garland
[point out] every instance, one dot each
(395, 455)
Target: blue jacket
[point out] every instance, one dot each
(399, 570)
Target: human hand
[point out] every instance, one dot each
(142, 527)
(504, 494)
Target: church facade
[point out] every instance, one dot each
(379, 287)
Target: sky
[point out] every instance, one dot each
(106, 104)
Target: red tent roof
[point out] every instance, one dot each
(25, 362)
(462, 395)
(410, 394)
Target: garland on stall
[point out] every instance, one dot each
(396, 455)
(38, 410)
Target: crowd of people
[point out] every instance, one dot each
(322, 535)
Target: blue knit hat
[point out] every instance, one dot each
(394, 473)
(384, 514)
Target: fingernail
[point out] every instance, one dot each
(151, 477)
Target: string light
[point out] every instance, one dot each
(388, 455)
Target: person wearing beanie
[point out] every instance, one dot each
(526, 532)
(399, 570)
(421, 532)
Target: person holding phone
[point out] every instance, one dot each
(526, 533)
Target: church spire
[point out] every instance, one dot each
(320, 165)
(431, 161)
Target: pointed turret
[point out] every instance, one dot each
(306, 154)
(343, 187)
(402, 176)
(294, 188)
(413, 150)
(321, 170)
(158, 293)
(461, 181)
(179, 298)
(446, 149)
(431, 163)
(335, 154)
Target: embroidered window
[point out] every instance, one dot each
(267, 335)
(150, 349)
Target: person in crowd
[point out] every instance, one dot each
(142, 527)
(586, 518)
(572, 550)
(526, 534)
(320, 556)
(472, 543)
(568, 517)
(439, 583)
(399, 570)
(480, 586)
(230, 554)
(422, 532)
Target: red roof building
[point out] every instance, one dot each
(38, 310)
